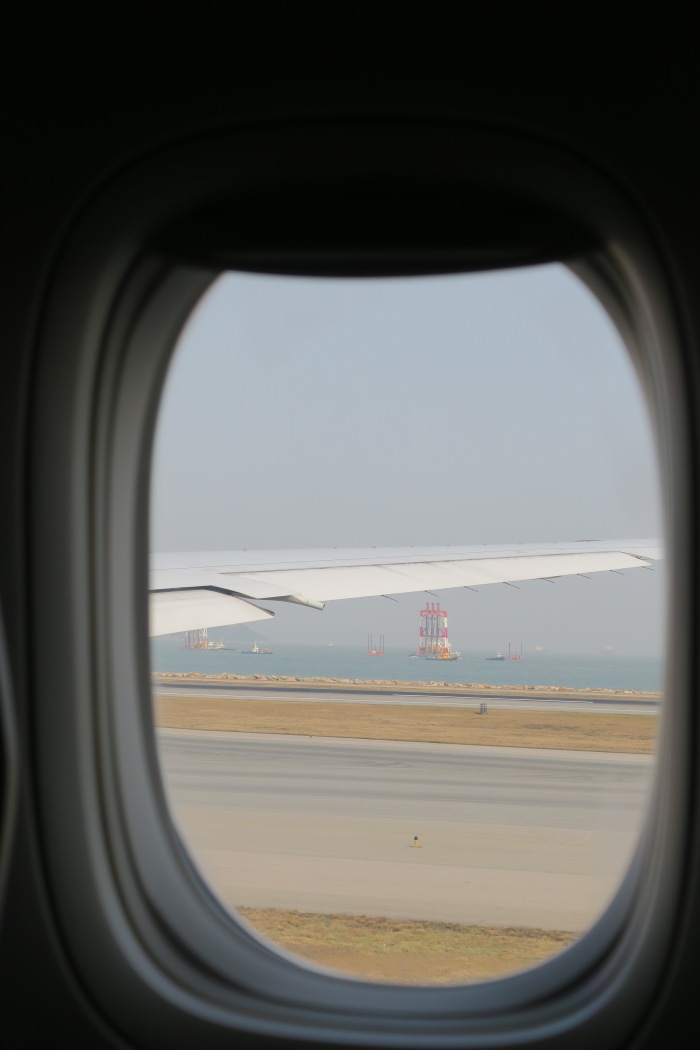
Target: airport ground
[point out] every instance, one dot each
(527, 850)
(578, 720)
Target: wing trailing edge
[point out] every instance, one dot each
(190, 590)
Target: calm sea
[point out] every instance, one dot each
(598, 671)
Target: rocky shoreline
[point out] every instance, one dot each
(380, 684)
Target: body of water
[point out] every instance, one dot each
(577, 671)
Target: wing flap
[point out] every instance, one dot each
(174, 611)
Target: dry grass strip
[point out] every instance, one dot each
(405, 951)
(580, 731)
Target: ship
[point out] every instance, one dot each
(255, 651)
(371, 651)
(496, 656)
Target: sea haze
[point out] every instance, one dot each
(577, 671)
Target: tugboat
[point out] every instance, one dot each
(496, 656)
(255, 651)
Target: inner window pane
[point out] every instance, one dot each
(367, 809)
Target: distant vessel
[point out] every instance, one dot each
(198, 639)
(515, 656)
(433, 643)
(371, 651)
(255, 651)
(496, 656)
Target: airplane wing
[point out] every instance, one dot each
(216, 588)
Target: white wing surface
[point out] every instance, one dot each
(193, 590)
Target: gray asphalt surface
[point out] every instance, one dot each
(504, 836)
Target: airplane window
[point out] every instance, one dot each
(429, 764)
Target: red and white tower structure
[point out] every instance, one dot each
(434, 642)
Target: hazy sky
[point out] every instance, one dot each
(437, 410)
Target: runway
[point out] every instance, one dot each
(498, 697)
(455, 833)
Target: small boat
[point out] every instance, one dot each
(255, 651)
(496, 656)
